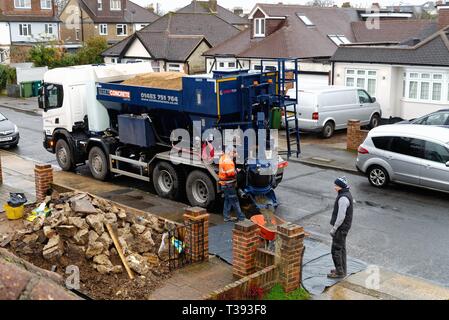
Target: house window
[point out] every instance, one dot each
(103, 29)
(45, 4)
(22, 4)
(259, 27)
(25, 29)
(100, 5)
(122, 30)
(116, 5)
(77, 34)
(339, 39)
(231, 64)
(365, 79)
(222, 64)
(305, 20)
(48, 28)
(423, 86)
(174, 67)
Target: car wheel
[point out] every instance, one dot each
(328, 130)
(98, 164)
(375, 121)
(64, 155)
(200, 189)
(378, 177)
(167, 181)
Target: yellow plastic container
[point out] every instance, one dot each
(13, 213)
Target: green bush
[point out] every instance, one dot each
(277, 293)
(7, 76)
(90, 53)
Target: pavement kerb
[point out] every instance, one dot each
(32, 111)
(326, 166)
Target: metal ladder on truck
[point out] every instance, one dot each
(293, 146)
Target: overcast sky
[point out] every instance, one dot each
(171, 5)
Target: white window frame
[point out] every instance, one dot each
(23, 27)
(259, 27)
(174, 67)
(124, 28)
(101, 32)
(431, 79)
(100, 5)
(305, 20)
(48, 28)
(22, 4)
(115, 5)
(339, 39)
(369, 74)
(44, 4)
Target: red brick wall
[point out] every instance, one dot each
(245, 241)
(43, 175)
(8, 9)
(443, 18)
(355, 135)
(197, 233)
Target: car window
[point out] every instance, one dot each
(408, 146)
(363, 96)
(436, 152)
(382, 142)
(437, 119)
(421, 120)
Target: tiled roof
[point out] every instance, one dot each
(133, 13)
(433, 51)
(28, 18)
(393, 30)
(223, 13)
(295, 39)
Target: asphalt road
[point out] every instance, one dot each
(403, 229)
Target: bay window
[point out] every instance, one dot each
(423, 86)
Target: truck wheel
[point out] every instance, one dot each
(98, 163)
(167, 181)
(328, 130)
(200, 189)
(64, 155)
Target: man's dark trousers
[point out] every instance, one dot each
(338, 251)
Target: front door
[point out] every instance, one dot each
(435, 173)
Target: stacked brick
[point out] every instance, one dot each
(197, 233)
(20, 280)
(43, 174)
(245, 239)
(289, 253)
(355, 135)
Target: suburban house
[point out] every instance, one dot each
(112, 19)
(211, 6)
(409, 79)
(311, 34)
(25, 22)
(175, 42)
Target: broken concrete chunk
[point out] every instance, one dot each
(121, 214)
(137, 263)
(94, 249)
(106, 240)
(82, 237)
(103, 260)
(5, 239)
(117, 269)
(30, 238)
(82, 205)
(49, 232)
(137, 229)
(54, 248)
(78, 222)
(110, 217)
(96, 222)
(66, 231)
(93, 236)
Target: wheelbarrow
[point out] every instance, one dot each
(267, 231)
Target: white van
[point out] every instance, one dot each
(328, 108)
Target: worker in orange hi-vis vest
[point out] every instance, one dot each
(228, 181)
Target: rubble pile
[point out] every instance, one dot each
(77, 223)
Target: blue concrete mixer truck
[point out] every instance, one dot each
(92, 115)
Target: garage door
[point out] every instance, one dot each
(312, 80)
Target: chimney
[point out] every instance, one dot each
(443, 15)
(238, 11)
(213, 6)
(375, 5)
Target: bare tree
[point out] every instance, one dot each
(321, 3)
(156, 8)
(60, 4)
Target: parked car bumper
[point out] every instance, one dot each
(11, 140)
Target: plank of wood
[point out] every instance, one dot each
(118, 247)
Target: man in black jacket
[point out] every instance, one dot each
(341, 223)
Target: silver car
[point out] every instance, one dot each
(328, 108)
(406, 153)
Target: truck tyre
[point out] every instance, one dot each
(328, 130)
(167, 181)
(64, 155)
(98, 163)
(200, 189)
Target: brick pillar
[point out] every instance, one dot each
(1, 172)
(43, 177)
(289, 252)
(352, 138)
(245, 241)
(197, 233)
